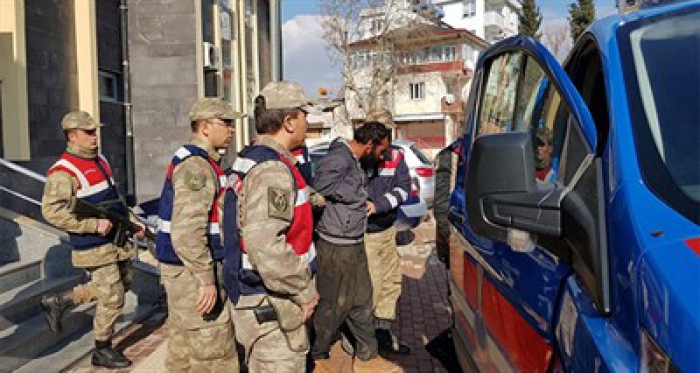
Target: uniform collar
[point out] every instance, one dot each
(271, 143)
(196, 141)
(75, 150)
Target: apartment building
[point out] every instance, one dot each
(491, 20)
(432, 67)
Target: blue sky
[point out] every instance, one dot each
(552, 9)
(305, 57)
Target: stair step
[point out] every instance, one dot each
(23, 342)
(23, 302)
(71, 347)
(19, 273)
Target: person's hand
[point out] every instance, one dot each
(371, 209)
(142, 231)
(103, 227)
(206, 299)
(308, 308)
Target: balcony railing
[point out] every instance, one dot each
(495, 21)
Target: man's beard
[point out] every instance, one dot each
(369, 162)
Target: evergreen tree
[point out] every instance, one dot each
(530, 19)
(581, 14)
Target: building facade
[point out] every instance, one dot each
(184, 50)
(137, 67)
(54, 56)
(432, 66)
(491, 20)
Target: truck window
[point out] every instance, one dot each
(537, 108)
(663, 86)
(498, 100)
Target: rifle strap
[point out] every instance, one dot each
(111, 185)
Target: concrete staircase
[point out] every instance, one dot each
(34, 261)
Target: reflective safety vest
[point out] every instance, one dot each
(240, 278)
(164, 245)
(96, 186)
(303, 162)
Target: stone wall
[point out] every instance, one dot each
(162, 47)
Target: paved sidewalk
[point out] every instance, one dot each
(423, 314)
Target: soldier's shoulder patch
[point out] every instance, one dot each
(195, 180)
(279, 203)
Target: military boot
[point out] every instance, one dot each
(106, 356)
(55, 306)
(375, 365)
(388, 343)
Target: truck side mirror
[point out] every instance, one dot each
(501, 191)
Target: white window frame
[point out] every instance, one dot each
(468, 8)
(416, 91)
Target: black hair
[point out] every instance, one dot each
(373, 132)
(269, 121)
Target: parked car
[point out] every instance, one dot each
(575, 240)
(421, 168)
(410, 213)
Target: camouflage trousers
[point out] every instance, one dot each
(197, 343)
(385, 272)
(108, 284)
(268, 349)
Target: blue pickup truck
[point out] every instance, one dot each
(575, 222)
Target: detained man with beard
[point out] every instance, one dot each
(343, 276)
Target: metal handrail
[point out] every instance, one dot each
(22, 170)
(20, 195)
(26, 172)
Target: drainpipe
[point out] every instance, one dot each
(276, 40)
(128, 117)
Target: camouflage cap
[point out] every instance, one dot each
(286, 95)
(382, 116)
(79, 120)
(213, 108)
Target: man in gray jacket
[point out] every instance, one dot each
(343, 277)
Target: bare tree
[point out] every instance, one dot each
(556, 38)
(362, 35)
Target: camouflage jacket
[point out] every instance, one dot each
(263, 224)
(196, 185)
(56, 208)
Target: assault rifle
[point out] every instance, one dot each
(122, 227)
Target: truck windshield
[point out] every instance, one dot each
(663, 89)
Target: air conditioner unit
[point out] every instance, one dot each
(211, 56)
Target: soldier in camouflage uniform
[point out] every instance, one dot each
(270, 258)
(82, 173)
(187, 246)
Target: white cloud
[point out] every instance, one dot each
(305, 58)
